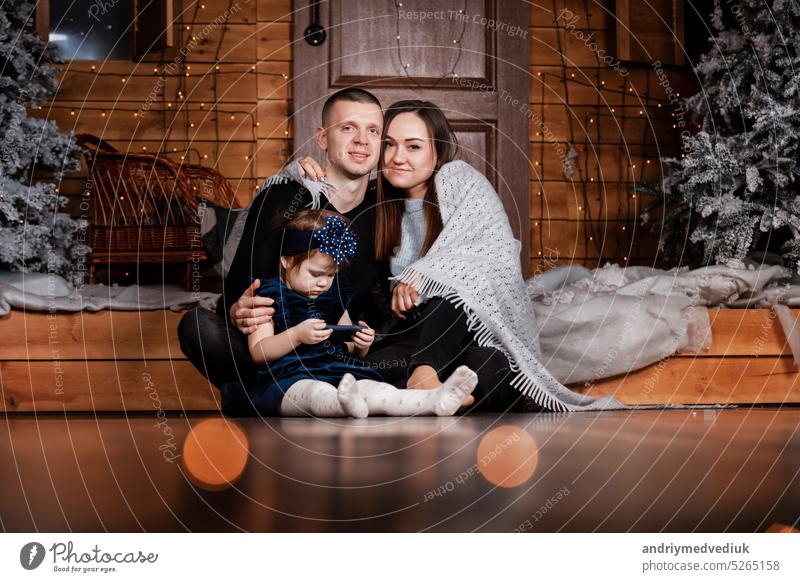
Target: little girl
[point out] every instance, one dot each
(302, 370)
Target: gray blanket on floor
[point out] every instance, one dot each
(614, 320)
(42, 292)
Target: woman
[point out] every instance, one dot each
(458, 283)
(417, 141)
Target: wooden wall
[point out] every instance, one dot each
(616, 124)
(233, 107)
(232, 113)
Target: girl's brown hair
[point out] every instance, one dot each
(303, 220)
(389, 211)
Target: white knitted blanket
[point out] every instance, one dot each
(475, 265)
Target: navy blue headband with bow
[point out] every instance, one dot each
(333, 239)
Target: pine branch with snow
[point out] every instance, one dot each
(735, 188)
(35, 235)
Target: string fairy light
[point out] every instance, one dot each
(644, 101)
(186, 89)
(405, 65)
(184, 100)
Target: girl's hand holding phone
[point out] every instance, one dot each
(363, 339)
(312, 331)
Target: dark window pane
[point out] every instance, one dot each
(92, 30)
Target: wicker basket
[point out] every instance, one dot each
(145, 207)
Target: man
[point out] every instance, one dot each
(216, 344)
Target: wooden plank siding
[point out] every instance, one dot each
(131, 361)
(573, 98)
(618, 128)
(239, 68)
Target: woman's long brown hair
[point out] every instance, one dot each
(389, 211)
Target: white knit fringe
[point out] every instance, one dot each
(291, 172)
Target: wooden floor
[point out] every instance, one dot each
(680, 470)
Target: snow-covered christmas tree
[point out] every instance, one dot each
(35, 235)
(735, 189)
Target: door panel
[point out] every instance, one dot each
(481, 83)
(364, 43)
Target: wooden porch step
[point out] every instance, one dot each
(749, 362)
(114, 361)
(108, 361)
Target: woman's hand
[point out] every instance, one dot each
(363, 339)
(309, 167)
(251, 310)
(311, 331)
(403, 298)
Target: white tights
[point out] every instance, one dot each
(362, 398)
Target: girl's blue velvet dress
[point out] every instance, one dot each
(326, 361)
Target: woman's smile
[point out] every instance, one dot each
(409, 156)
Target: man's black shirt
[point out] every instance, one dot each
(258, 253)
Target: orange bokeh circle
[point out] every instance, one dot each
(507, 456)
(215, 454)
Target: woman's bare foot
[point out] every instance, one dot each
(424, 377)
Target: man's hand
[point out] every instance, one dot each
(311, 331)
(251, 310)
(403, 298)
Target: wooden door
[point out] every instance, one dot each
(469, 57)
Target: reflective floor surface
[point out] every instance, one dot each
(678, 471)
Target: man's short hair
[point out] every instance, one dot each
(347, 94)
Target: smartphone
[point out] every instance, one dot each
(343, 333)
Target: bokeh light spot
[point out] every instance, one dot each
(215, 454)
(507, 456)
